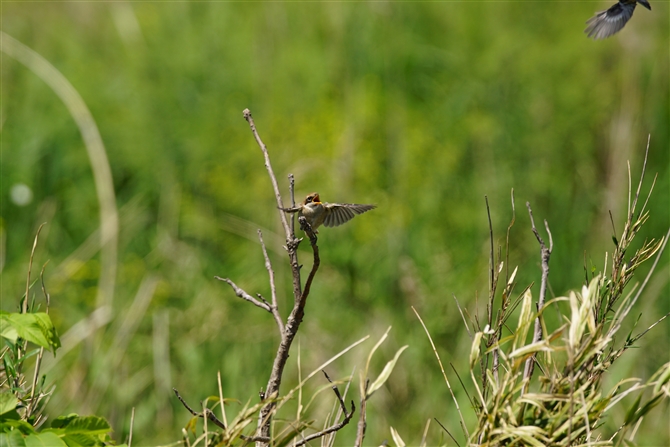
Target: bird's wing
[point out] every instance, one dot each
(339, 213)
(606, 23)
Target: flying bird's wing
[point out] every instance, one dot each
(339, 213)
(606, 23)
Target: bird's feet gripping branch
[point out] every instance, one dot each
(317, 213)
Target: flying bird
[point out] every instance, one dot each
(320, 213)
(611, 21)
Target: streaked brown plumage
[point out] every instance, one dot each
(611, 21)
(320, 213)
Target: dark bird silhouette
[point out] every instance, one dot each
(606, 23)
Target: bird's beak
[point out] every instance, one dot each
(316, 199)
(645, 3)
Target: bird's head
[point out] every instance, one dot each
(312, 198)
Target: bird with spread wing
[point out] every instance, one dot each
(320, 213)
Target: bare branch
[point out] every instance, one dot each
(273, 308)
(317, 261)
(300, 297)
(268, 166)
(244, 295)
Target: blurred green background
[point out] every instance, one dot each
(421, 108)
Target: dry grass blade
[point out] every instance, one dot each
(439, 361)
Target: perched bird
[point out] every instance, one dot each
(320, 213)
(606, 23)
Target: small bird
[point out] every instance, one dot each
(320, 213)
(606, 23)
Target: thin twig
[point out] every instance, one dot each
(317, 261)
(273, 308)
(335, 427)
(465, 390)
(465, 321)
(447, 432)
(247, 116)
(207, 412)
(291, 189)
(545, 255)
(244, 295)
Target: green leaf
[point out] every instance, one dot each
(12, 415)
(44, 440)
(632, 415)
(36, 328)
(80, 440)
(87, 425)
(13, 439)
(62, 421)
(6, 329)
(7, 402)
(18, 426)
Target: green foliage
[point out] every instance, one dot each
(567, 404)
(34, 327)
(286, 429)
(22, 400)
(66, 431)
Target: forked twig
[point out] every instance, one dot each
(244, 295)
(209, 414)
(335, 427)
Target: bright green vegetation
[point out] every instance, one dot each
(421, 108)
